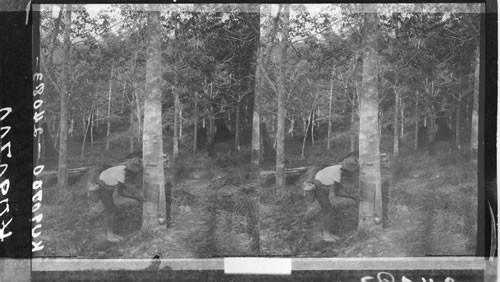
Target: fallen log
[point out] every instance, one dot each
(74, 174)
(287, 171)
(268, 177)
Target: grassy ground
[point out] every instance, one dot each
(431, 204)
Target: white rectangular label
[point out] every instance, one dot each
(272, 266)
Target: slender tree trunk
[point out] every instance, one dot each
(176, 125)
(353, 141)
(433, 124)
(355, 107)
(237, 127)
(152, 145)
(181, 126)
(370, 208)
(56, 140)
(312, 128)
(109, 109)
(402, 116)
(330, 115)
(292, 127)
(131, 137)
(302, 155)
(62, 177)
(457, 126)
(92, 118)
(195, 131)
(396, 119)
(138, 112)
(85, 134)
(280, 132)
(417, 117)
(71, 127)
(96, 118)
(475, 106)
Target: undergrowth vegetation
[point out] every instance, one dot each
(218, 207)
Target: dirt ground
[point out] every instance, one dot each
(431, 210)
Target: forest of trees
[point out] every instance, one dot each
(253, 78)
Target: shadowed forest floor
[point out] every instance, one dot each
(431, 210)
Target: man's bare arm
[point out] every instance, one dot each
(122, 191)
(339, 192)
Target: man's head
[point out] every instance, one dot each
(350, 164)
(134, 165)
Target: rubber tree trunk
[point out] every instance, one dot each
(176, 125)
(396, 119)
(306, 129)
(195, 124)
(138, 112)
(62, 177)
(175, 153)
(417, 118)
(370, 207)
(475, 106)
(353, 121)
(396, 96)
(457, 126)
(131, 137)
(152, 143)
(92, 117)
(85, 134)
(181, 127)
(256, 138)
(355, 101)
(280, 131)
(330, 114)
(402, 104)
(237, 126)
(312, 127)
(108, 128)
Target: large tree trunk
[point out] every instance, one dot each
(62, 177)
(175, 153)
(280, 132)
(109, 109)
(396, 97)
(355, 101)
(152, 144)
(369, 138)
(475, 103)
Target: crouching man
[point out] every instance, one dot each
(109, 180)
(317, 185)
